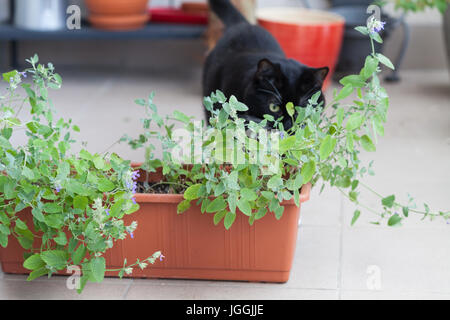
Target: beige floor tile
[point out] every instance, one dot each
(386, 295)
(397, 259)
(187, 292)
(55, 289)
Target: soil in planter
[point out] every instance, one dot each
(159, 188)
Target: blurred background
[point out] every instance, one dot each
(426, 48)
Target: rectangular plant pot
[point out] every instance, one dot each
(194, 248)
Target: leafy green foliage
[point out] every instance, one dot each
(231, 173)
(69, 195)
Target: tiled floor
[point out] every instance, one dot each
(332, 260)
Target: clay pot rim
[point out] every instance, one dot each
(292, 17)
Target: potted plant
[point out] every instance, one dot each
(57, 209)
(118, 15)
(211, 201)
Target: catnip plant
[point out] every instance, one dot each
(417, 5)
(77, 201)
(254, 167)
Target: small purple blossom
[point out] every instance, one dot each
(23, 74)
(135, 175)
(58, 189)
(107, 212)
(376, 26)
(161, 257)
(281, 135)
(132, 235)
(134, 200)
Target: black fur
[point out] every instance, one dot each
(248, 63)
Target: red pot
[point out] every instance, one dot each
(311, 37)
(118, 15)
(194, 248)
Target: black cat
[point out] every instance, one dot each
(248, 62)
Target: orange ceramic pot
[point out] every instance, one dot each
(118, 14)
(311, 37)
(194, 248)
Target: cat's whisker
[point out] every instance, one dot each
(272, 93)
(276, 90)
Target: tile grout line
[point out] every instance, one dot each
(124, 297)
(341, 247)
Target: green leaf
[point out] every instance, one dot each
(388, 201)
(105, 185)
(219, 216)
(363, 30)
(367, 143)
(356, 215)
(25, 242)
(345, 92)
(405, 211)
(80, 202)
(61, 238)
(3, 240)
(244, 206)
(326, 147)
(354, 121)
(99, 163)
(279, 212)
(37, 273)
(260, 213)
(394, 221)
(97, 267)
(181, 117)
(21, 225)
(54, 220)
(229, 219)
(308, 171)
(248, 194)
(4, 230)
(191, 193)
(52, 207)
(290, 109)
(370, 66)
(55, 258)
(183, 206)
(354, 80)
(385, 60)
(34, 262)
(232, 202)
(275, 182)
(216, 205)
(79, 254)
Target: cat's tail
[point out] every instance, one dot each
(227, 12)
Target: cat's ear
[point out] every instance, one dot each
(266, 70)
(313, 77)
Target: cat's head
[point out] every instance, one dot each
(276, 83)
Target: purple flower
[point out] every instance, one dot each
(376, 26)
(134, 200)
(23, 74)
(107, 212)
(281, 135)
(131, 235)
(57, 189)
(161, 257)
(135, 175)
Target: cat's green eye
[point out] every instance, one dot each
(274, 108)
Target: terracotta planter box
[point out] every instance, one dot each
(194, 248)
